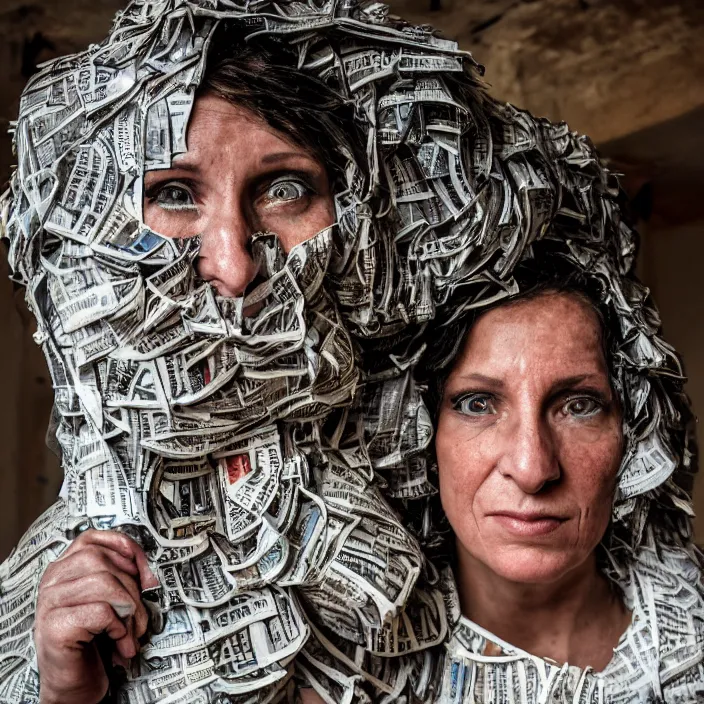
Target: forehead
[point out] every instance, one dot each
(556, 333)
(209, 108)
(218, 125)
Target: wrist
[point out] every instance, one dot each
(48, 695)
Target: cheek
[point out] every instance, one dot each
(296, 228)
(590, 470)
(171, 224)
(461, 469)
(154, 219)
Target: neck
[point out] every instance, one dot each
(576, 619)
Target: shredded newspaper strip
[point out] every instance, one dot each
(278, 468)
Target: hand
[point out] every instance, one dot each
(93, 588)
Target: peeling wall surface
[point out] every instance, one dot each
(607, 68)
(627, 73)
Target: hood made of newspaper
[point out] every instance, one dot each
(255, 458)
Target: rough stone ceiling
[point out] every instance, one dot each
(607, 68)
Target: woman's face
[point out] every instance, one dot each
(239, 176)
(529, 440)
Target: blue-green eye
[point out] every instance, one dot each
(475, 404)
(173, 196)
(287, 190)
(582, 407)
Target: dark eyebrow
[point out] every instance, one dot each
(560, 386)
(283, 156)
(176, 165)
(488, 381)
(571, 382)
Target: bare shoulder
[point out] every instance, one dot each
(309, 696)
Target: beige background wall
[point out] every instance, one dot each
(627, 72)
(677, 283)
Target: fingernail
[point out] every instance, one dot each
(123, 610)
(154, 580)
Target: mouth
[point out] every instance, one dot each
(527, 524)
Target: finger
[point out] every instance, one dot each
(111, 539)
(121, 544)
(107, 538)
(128, 645)
(71, 628)
(119, 661)
(89, 558)
(116, 588)
(147, 578)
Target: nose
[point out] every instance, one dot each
(531, 458)
(225, 258)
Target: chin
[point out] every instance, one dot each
(531, 564)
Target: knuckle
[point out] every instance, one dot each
(104, 612)
(48, 575)
(113, 539)
(86, 536)
(41, 610)
(44, 593)
(125, 542)
(92, 550)
(106, 574)
(93, 555)
(51, 630)
(101, 581)
(110, 582)
(43, 599)
(63, 637)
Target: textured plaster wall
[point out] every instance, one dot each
(676, 283)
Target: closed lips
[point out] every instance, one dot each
(527, 516)
(528, 524)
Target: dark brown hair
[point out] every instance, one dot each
(542, 275)
(262, 77)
